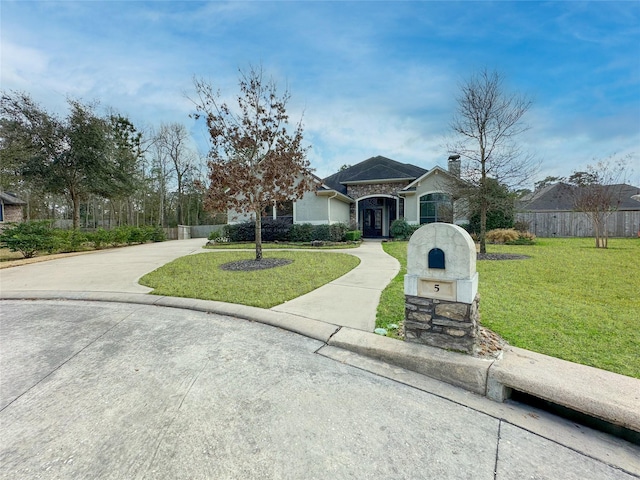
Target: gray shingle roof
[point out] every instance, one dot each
(559, 197)
(11, 199)
(374, 168)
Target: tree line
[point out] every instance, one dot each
(99, 170)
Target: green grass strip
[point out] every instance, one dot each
(569, 300)
(199, 276)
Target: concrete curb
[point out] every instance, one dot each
(456, 369)
(304, 326)
(601, 394)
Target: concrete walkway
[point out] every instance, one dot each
(351, 300)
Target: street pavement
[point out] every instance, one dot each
(124, 391)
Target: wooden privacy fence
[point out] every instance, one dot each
(578, 224)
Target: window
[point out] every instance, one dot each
(284, 209)
(436, 207)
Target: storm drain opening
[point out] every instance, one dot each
(577, 417)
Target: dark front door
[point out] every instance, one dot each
(372, 222)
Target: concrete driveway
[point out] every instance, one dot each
(109, 390)
(113, 270)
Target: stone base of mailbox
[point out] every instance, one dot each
(441, 323)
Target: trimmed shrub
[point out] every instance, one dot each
(275, 230)
(156, 234)
(119, 236)
(28, 237)
(353, 235)
(400, 229)
(301, 232)
(502, 235)
(214, 235)
(240, 232)
(101, 237)
(321, 232)
(338, 231)
(280, 230)
(68, 240)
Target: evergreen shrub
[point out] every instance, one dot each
(28, 237)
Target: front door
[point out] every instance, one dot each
(372, 222)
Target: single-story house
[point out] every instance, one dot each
(371, 194)
(10, 207)
(550, 212)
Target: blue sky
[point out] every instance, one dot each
(370, 78)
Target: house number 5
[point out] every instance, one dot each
(436, 287)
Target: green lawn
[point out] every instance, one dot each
(199, 276)
(569, 300)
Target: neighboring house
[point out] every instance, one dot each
(372, 194)
(550, 212)
(10, 208)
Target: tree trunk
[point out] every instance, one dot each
(258, 235)
(482, 238)
(75, 200)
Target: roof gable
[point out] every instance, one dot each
(434, 171)
(372, 170)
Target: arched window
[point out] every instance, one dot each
(436, 207)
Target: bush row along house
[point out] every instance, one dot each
(372, 194)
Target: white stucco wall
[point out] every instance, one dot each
(311, 209)
(436, 183)
(339, 211)
(411, 210)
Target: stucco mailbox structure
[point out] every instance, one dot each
(441, 288)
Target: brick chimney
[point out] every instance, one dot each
(454, 165)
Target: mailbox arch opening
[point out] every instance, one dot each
(436, 259)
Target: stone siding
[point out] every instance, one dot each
(368, 189)
(440, 323)
(372, 189)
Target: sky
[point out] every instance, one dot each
(367, 78)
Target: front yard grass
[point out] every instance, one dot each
(199, 276)
(569, 300)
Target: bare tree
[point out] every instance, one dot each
(597, 193)
(254, 161)
(487, 121)
(173, 141)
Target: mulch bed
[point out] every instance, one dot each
(251, 265)
(501, 256)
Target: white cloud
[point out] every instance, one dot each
(21, 65)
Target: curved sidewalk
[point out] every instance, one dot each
(351, 300)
